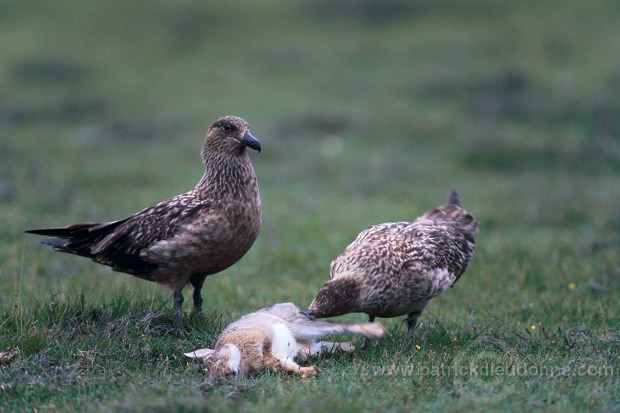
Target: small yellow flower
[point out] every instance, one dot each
(571, 286)
(533, 327)
(417, 346)
(303, 376)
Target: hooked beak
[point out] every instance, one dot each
(250, 141)
(308, 313)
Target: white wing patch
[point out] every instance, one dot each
(442, 279)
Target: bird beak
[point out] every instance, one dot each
(308, 313)
(250, 141)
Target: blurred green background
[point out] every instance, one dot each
(368, 111)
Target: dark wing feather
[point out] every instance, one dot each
(119, 244)
(77, 238)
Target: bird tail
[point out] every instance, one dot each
(453, 212)
(77, 238)
(453, 198)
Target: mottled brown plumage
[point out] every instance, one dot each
(395, 268)
(183, 239)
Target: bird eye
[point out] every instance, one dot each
(226, 127)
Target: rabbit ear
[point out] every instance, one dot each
(201, 354)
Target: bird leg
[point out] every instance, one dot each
(371, 319)
(178, 308)
(197, 282)
(411, 320)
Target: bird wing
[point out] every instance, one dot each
(135, 244)
(437, 247)
(405, 248)
(453, 216)
(372, 252)
(126, 248)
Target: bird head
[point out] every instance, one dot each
(229, 134)
(337, 296)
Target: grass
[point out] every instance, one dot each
(366, 114)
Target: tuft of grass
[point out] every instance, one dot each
(82, 353)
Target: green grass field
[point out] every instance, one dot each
(368, 112)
